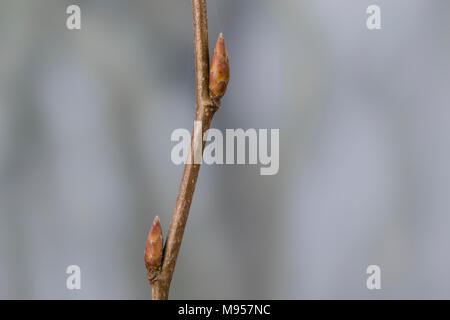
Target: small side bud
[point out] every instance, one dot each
(154, 249)
(220, 70)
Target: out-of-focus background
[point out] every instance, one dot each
(85, 124)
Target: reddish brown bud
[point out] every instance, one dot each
(154, 247)
(220, 70)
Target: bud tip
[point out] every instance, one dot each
(220, 70)
(154, 247)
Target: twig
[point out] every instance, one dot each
(206, 108)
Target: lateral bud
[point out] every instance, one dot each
(220, 70)
(154, 249)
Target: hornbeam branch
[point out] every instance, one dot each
(205, 110)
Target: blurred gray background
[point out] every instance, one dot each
(85, 124)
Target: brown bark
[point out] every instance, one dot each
(205, 110)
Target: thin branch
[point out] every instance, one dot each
(205, 110)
